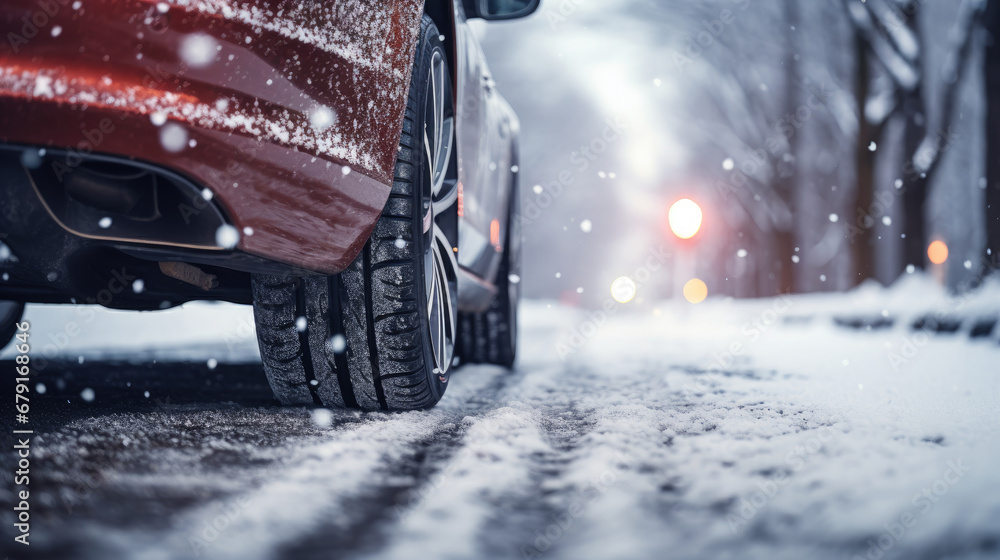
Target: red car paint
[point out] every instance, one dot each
(253, 86)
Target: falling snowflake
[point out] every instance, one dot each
(198, 50)
(226, 236)
(300, 324)
(338, 343)
(586, 226)
(322, 417)
(322, 117)
(87, 394)
(173, 137)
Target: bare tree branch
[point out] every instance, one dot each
(928, 154)
(904, 73)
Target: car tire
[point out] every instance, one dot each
(381, 335)
(10, 315)
(490, 337)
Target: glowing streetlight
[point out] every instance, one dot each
(685, 218)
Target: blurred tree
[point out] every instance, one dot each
(787, 164)
(888, 32)
(869, 133)
(884, 35)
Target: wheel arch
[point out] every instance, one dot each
(442, 12)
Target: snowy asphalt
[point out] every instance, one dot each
(728, 430)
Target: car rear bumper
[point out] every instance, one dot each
(288, 115)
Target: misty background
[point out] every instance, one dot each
(751, 109)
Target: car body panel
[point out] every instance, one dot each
(292, 122)
(487, 130)
(112, 77)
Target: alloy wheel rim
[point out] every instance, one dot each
(439, 227)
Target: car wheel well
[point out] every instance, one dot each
(442, 12)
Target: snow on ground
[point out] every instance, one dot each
(730, 429)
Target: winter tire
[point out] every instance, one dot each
(10, 316)
(381, 335)
(490, 337)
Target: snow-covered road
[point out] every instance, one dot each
(754, 429)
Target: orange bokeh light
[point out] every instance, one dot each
(937, 252)
(695, 291)
(685, 218)
(495, 234)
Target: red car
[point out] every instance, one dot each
(346, 166)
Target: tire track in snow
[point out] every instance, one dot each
(311, 490)
(401, 486)
(503, 483)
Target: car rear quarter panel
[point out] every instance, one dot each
(291, 108)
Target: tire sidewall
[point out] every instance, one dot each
(428, 44)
